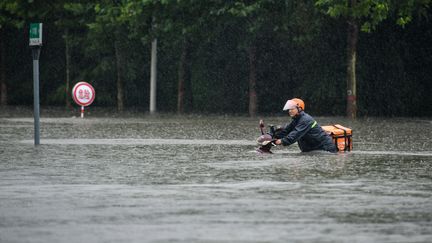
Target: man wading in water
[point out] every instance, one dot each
(303, 129)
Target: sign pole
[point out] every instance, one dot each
(82, 111)
(35, 43)
(36, 53)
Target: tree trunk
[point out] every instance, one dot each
(153, 76)
(351, 67)
(119, 67)
(3, 84)
(68, 58)
(252, 81)
(184, 98)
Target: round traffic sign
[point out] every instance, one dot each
(83, 93)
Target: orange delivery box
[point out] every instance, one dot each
(342, 136)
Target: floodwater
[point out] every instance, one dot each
(198, 179)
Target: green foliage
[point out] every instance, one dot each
(370, 13)
(300, 52)
(14, 13)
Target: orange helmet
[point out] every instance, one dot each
(299, 103)
(294, 103)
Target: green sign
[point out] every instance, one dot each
(35, 34)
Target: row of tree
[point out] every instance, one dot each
(370, 57)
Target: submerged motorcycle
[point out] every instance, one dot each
(267, 139)
(341, 136)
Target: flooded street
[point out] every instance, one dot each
(199, 179)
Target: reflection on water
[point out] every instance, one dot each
(198, 179)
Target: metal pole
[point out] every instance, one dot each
(36, 52)
(153, 76)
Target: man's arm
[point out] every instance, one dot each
(295, 134)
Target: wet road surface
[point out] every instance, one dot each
(198, 179)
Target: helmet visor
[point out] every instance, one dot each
(289, 105)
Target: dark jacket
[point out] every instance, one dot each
(307, 133)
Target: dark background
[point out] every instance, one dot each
(297, 56)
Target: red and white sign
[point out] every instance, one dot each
(83, 93)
